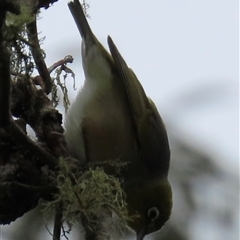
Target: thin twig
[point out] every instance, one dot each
(38, 57)
(58, 222)
(67, 59)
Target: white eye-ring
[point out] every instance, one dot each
(153, 213)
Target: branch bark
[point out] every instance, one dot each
(38, 57)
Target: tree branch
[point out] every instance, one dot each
(38, 57)
(45, 157)
(5, 65)
(58, 222)
(4, 84)
(45, 3)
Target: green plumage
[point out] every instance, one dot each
(112, 118)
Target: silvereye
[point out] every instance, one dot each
(112, 118)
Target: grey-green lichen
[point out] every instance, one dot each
(26, 16)
(88, 193)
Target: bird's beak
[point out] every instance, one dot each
(141, 234)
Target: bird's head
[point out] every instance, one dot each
(150, 205)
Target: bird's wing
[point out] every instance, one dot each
(138, 101)
(150, 130)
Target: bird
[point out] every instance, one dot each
(112, 118)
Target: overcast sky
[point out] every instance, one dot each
(185, 54)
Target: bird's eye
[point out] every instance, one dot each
(153, 213)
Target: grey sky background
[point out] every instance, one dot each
(185, 54)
